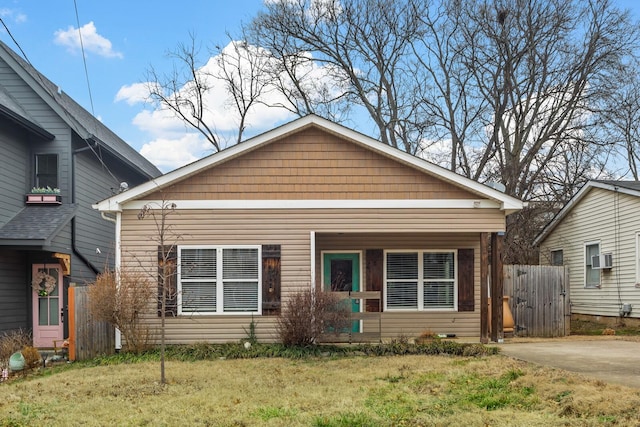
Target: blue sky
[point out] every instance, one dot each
(122, 39)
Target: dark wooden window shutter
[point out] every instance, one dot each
(271, 280)
(169, 273)
(466, 300)
(375, 273)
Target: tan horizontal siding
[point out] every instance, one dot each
(312, 165)
(593, 220)
(335, 230)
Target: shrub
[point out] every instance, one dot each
(12, 341)
(120, 299)
(309, 314)
(32, 357)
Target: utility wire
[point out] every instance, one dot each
(15, 41)
(39, 77)
(84, 58)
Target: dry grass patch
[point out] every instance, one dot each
(354, 391)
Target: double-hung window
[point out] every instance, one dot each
(46, 170)
(592, 275)
(420, 280)
(219, 280)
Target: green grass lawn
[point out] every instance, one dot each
(360, 390)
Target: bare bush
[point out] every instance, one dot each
(119, 298)
(12, 341)
(32, 357)
(309, 314)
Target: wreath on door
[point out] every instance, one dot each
(43, 283)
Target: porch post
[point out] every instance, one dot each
(497, 333)
(312, 244)
(484, 288)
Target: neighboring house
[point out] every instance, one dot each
(313, 204)
(597, 235)
(48, 140)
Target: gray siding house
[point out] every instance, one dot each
(48, 241)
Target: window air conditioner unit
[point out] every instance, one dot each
(602, 261)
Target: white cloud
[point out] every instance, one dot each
(159, 123)
(13, 14)
(133, 94)
(91, 40)
(169, 154)
(174, 142)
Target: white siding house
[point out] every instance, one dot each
(597, 235)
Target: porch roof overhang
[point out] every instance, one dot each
(36, 226)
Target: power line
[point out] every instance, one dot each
(84, 58)
(39, 77)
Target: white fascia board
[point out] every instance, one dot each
(319, 204)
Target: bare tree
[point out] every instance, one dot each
(166, 241)
(621, 120)
(511, 91)
(366, 44)
(184, 91)
(243, 72)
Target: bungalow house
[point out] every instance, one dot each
(57, 160)
(313, 204)
(597, 235)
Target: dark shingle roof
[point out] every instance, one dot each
(80, 120)
(36, 225)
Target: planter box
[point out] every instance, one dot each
(44, 199)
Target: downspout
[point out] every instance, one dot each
(75, 249)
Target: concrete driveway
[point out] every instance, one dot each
(612, 360)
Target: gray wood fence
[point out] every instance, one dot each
(88, 337)
(539, 299)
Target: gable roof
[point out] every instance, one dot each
(114, 203)
(631, 188)
(11, 109)
(77, 118)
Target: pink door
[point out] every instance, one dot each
(47, 304)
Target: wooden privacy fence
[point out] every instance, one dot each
(539, 299)
(87, 338)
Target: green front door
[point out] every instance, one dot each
(341, 273)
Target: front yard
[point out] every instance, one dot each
(347, 391)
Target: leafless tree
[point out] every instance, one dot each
(243, 70)
(620, 116)
(166, 240)
(184, 90)
(512, 91)
(365, 45)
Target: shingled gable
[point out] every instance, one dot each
(485, 196)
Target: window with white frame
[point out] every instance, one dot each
(420, 280)
(591, 275)
(219, 280)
